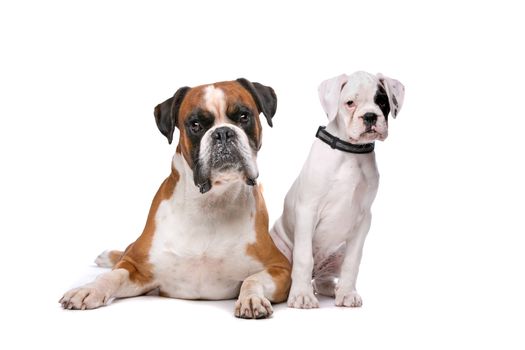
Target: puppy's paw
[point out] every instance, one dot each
(83, 298)
(303, 300)
(253, 306)
(350, 299)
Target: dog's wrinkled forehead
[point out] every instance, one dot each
(215, 99)
(361, 85)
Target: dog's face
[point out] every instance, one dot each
(360, 103)
(220, 130)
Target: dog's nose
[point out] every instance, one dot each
(223, 134)
(370, 118)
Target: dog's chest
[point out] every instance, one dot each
(349, 195)
(201, 256)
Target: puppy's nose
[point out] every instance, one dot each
(223, 134)
(370, 118)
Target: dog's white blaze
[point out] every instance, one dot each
(199, 253)
(215, 101)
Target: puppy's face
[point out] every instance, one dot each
(361, 103)
(220, 130)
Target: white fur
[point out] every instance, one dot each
(215, 101)
(326, 213)
(329, 94)
(360, 87)
(251, 302)
(199, 247)
(105, 288)
(103, 259)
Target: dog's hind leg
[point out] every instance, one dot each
(325, 286)
(108, 258)
(326, 272)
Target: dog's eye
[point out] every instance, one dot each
(382, 102)
(350, 103)
(243, 118)
(195, 127)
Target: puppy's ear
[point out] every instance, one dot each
(264, 97)
(329, 94)
(167, 113)
(395, 91)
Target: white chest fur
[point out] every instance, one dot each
(335, 187)
(199, 246)
(349, 193)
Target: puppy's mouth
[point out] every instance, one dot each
(371, 133)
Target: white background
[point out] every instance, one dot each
(81, 159)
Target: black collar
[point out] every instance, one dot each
(341, 145)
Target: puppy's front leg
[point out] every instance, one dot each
(345, 292)
(302, 293)
(107, 286)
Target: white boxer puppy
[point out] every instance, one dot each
(326, 213)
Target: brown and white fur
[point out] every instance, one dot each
(206, 235)
(326, 213)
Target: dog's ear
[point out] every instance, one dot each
(329, 94)
(264, 98)
(167, 113)
(395, 91)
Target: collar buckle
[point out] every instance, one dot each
(333, 144)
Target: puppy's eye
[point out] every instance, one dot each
(382, 102)
(350, 103)
(243, 118)
(195, 127)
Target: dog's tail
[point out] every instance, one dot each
(108, 258)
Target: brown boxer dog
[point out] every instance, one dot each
(206, 235)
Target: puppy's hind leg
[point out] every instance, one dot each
(325, 286)
(327, 271)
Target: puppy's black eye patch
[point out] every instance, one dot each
(381, 100)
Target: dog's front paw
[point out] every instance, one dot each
(303, 300)
(253, 306)
(350, 299)
(83, 298)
